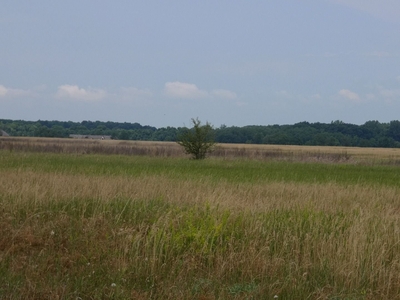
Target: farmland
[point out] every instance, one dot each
(139, 220)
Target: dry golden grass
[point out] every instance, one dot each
(73, 232)
(171, 149)
(35, 188)
(294, 239)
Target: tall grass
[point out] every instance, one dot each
(238, 170)
(141, 227)
(227, 151)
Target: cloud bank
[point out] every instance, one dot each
(9, 92)
(3, 91)
(349, 95)
(81, 94)
(224, 94)
(183, 90)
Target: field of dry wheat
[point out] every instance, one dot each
(130, 220)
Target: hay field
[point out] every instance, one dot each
(171, 149)
(296, 223)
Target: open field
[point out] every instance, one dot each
(171, 149)
(291, 222)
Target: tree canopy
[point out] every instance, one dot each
(336, 133)
(197, 141)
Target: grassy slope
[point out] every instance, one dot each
(120, 227)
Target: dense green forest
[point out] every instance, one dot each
(337, 133)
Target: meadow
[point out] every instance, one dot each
(139, 220)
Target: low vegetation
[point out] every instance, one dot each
(298, 223)
(198, 141)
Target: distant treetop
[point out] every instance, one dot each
(337, 133)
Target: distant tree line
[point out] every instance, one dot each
(336, 133)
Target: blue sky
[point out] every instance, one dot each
(161, 63)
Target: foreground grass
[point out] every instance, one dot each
(122, 227)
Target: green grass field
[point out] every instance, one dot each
(138, 227)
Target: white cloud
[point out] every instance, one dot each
(183, 90)
(76, 93)
(349, 95)
(3, 91)
(8, 92)
(224, 94)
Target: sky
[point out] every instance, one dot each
(237, 63)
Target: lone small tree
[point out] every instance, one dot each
(197, 141)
